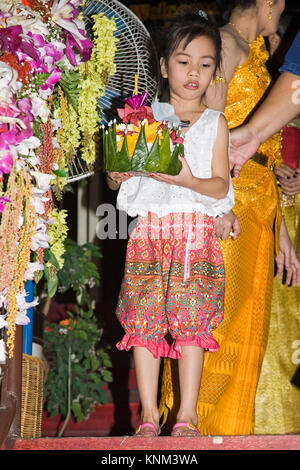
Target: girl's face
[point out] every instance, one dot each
(190, 70)
(270, 25)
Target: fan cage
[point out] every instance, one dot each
(135, 54)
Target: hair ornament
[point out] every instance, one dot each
(203, 15)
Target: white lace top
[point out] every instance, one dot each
(139, 194)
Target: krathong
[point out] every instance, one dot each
(46, 58)
(140, 144)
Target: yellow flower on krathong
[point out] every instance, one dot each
(132, 138)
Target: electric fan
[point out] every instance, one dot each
(135, 54)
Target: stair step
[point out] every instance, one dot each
(285, 442)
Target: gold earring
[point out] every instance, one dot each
(270, 4)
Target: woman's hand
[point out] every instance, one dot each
(185, 178)
(227, 225)
(287, 258)
(244, 142)
(289, 179)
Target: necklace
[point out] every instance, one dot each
(240, 33)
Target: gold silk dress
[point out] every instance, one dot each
(230, 375)
(277, 401)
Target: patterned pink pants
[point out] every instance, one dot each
(174, 282)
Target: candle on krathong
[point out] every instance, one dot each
(136, 84)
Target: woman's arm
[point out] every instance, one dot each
(280, 106)
(231, 57)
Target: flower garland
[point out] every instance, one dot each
(94, 74)
(43, 51)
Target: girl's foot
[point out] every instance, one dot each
(185, 429)
(147, 430)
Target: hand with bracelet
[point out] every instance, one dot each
(114, 179)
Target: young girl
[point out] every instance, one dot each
(174, 272)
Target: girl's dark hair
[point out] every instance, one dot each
(187, 27)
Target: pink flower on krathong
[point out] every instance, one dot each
(3, 200)
(176, 139)
(134, 116)
(137, 101)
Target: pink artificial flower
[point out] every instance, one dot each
(52, 51)
(38, 39)
(84, 50)
(6, 164)
(3, 199)
(64, 14)
(11, 41)
(25, 106)
(15, 124)
(52, 79)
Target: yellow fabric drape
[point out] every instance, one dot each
(230, 375)
(277, 401)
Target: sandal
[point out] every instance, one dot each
(189, 430)
(152, 432)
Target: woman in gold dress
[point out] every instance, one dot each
(277, 401)
(230, 375)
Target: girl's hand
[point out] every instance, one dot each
(227, 225)
(289, 179)
(114, 179)
(185, 178)
(118, 177)
(287, 258)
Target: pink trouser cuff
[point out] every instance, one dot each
(206, 342)
(161, 349)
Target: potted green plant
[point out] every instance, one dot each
(79, 366)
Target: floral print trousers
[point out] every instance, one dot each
(174, 282)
